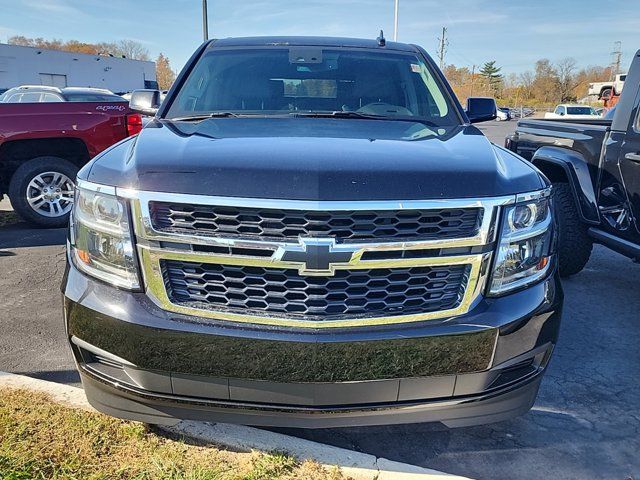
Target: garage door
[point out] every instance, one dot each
(53, 80)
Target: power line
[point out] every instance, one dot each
(443, 43)
(473, 74)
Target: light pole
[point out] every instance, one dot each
(205, 21)
(395, 21)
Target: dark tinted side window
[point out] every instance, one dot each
(92, 97)
(580, 111)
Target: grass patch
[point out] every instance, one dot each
(41, 439)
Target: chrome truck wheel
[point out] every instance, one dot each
(50, 194)
(41, 191)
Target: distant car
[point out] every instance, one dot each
(574, 112)
(503, 114)
(46, 94)
(522, 112)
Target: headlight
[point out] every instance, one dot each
(525, 244)
(101, 244)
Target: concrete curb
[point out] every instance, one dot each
(359, 466)
(68, 395)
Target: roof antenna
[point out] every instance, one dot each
(381, 40)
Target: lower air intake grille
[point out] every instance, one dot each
(271, 291)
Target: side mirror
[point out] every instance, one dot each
(481, 109)
(561, 114)
(145, 102)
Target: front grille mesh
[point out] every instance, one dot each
(290, 224)
(264, 291)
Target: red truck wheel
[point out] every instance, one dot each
(41, 191)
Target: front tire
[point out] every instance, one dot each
(41, 191)
(574, 243)
(606, 94)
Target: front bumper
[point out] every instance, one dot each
(140, 362)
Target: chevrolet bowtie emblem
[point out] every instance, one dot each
(316, 256)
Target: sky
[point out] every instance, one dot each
(515, 33)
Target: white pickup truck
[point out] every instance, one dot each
(575, 112)
(606, 89)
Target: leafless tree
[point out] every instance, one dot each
(132, 49)
(566, 79)
(128, 48)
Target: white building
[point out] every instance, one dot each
(36, 66)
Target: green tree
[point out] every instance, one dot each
(491, 73)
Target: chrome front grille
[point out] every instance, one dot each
(267, 291)
(346, 225)
(309, 277)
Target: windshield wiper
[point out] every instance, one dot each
(367, 116)
(195, 118)
(337, 114)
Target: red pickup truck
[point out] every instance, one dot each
(43, 145)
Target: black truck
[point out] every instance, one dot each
(311, 233)
(594, 166)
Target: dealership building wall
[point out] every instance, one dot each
(36, 66)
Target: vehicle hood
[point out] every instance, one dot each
(313, 159)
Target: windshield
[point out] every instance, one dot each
(287, 81)
(581, 111)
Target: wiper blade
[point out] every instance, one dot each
(337, 114)
(195, 118)
(367, 116)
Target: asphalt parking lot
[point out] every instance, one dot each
(585, 424)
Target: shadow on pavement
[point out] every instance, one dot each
(68, 377)
(24, 235)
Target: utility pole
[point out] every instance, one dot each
(617, 57)
(442, 47)
(205, 21)
(473, 78)
(395, 21)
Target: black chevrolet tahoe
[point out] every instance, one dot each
(594, 166)
(311, 233)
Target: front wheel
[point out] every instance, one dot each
(574, 243)
(41, 191)
(606, 93)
